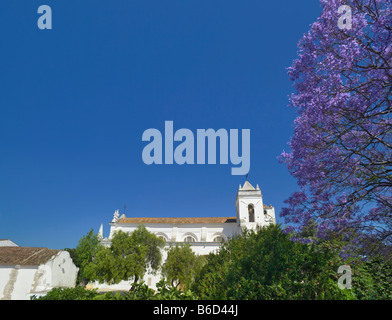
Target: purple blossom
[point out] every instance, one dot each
(341, 149)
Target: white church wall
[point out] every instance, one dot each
(177, 233)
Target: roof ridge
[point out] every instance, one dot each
(10, 255)
(32, 255)
(176, 219)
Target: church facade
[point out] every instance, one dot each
(204, 234)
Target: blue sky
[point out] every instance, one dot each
(75, 101)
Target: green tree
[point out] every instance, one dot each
(129, 256)
(372, 279)
(266, 264)
(181, 265)
(83, 254)
(209, 282)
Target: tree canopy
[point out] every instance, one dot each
(266, 264)
(181, 265)
(129, 256)
(341, 149)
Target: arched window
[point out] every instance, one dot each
(163, 238)
(251, 212)
(218, 239)
(189, 239)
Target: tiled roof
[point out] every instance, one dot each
(201, 220)
(25, 256)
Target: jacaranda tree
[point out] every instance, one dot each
(341, 149)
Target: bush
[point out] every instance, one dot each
(140, 292)
(77, 293)
(266, 264)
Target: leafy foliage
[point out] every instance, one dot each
(261, 264)
(129, 257)
(83, 254)
(372, 280)
(181, 265)
(341, 149)
(77, 293)
(140, 292)
(209, 282)
(267, 265)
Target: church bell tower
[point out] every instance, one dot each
(251, 211)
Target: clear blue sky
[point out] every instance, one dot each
(75, 101)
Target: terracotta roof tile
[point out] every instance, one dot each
(25, 256)
(201, 220)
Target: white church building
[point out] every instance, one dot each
(203, 233)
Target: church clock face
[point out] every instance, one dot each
(268, 218)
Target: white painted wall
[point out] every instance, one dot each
(177, 232)
(21, 282)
